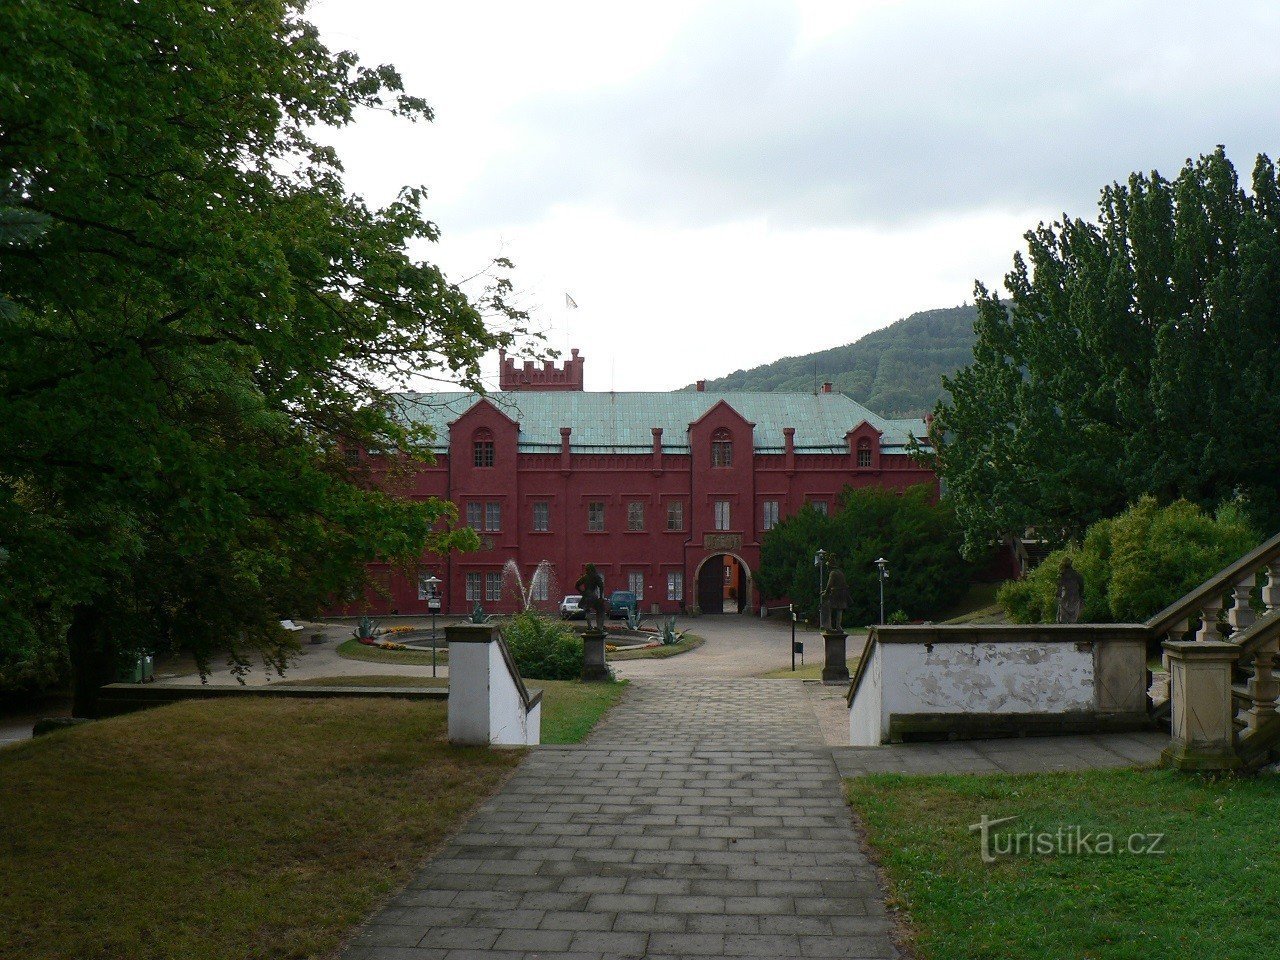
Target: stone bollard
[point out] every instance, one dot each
(594, 668)
(488, 701)
(1201, 705)
(836, 668)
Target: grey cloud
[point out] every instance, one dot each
(921, 110)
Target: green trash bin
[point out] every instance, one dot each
(136, 668)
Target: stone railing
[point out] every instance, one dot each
(488, 700)
(1211, 637)
(998, 680)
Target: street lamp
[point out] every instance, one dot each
(883, 565)
(432, 583)
(819, 559)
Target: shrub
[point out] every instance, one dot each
(542, 648)
(1135, 564)
(918, 537)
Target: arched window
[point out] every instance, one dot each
(482, 448)
(864, 452)
(721, 448)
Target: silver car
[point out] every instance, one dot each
(569, 609)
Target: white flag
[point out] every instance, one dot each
(569, 302)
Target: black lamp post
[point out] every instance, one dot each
(432, 584)
(883, 565)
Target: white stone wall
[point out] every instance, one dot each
(1031, 676)
(485, 706)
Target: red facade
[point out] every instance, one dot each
(684, 527)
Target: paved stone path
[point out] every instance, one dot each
(724, 835)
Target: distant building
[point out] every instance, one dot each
(668, 494)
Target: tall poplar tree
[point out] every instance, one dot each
(1136, 354)
(208, 319)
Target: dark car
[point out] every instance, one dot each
(622, 603)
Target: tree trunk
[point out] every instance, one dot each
(92, 659)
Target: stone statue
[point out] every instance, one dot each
(835, 599)
(1070, 594)
(591, 586)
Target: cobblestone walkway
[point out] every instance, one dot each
(703, 818)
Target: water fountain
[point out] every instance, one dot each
(541, 583)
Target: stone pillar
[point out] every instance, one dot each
(1202, 710)
(594, 668)
(836, 668)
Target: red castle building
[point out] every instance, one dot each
(667, 493)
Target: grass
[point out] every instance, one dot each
(1211, 895)
(689, 642)
(353, 649)
(569, 708)
(810, 671)
(251, 829)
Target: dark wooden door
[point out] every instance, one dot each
(711, 586)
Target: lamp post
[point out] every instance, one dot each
(819, 559)
(883, 565)
(433, 604)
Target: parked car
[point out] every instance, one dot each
(622, 603)
(569, 609)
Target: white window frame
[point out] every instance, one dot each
(635, 583)
(769, 519)
(475, 515)
(475, 584)
(541, 516)
(635, 516)
(493, 517)
(675, 585)
(675, 511)
(493, 586)
(723, 515)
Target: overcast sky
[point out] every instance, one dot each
(722, 184)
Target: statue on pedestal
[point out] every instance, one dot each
(835, 599)
(591, 586)
(1070, 594)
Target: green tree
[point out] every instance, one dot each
(1135, 564)
(1136, 355)
(207, 325)
(919, 538)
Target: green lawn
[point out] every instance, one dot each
(353, 649)
(810, 671)
(250, 828)
(689, 642)
(1213, 894)
(569, 708)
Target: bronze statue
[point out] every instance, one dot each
(1070, 594)
(591, 586)
(835, 598)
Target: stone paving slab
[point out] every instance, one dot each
(1022, 755)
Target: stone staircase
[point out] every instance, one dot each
(1221, 653)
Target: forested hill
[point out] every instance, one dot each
(896, 372)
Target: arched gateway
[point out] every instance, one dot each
(724, 584)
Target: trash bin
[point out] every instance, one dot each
(136, 668)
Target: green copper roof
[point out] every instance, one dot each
(622, 422)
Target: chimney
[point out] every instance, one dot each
(826, 387)
(789, 446)
(702, 386)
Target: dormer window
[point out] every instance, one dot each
(721, 448)
(864, 452)
(482, 448)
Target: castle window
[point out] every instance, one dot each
(722, 514)
(635, 516)
(721, 448)
(770, 514)
(864, 452)
(493, 517)
(473, 587)
(675, 515)
(541, 516)
(675, 585)
(595, 516)
(474, 513)
(482, 449)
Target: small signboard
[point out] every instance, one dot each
(433, 604)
